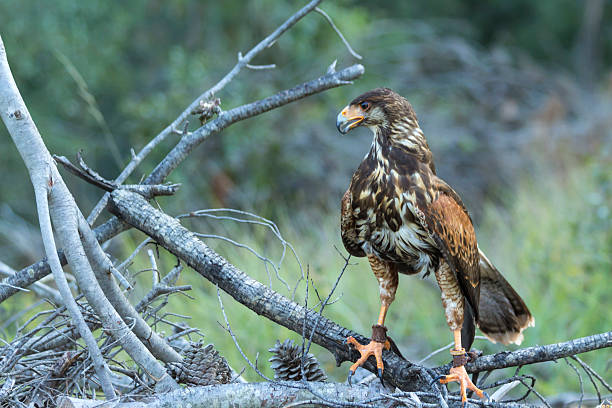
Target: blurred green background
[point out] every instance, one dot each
(515, 99)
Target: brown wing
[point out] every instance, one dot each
(450, 226)
(347, 226)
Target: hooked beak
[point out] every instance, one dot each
(349, 118)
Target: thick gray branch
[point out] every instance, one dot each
(40, 288)
(538, 354)
(269, 395)
(47, 187)
(168, 232)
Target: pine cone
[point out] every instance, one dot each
(202, 365)
(286, 363)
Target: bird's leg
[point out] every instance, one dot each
(374, 348)
(458, 373)
(453, 302)
(387, 279)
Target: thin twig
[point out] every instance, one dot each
(257, 220)
(260, 67)
(331, 23)
(595, 374)
(540, 397)
(228, 328)
(154, 270)
(586, 369)
(579, 380)
(441, 349)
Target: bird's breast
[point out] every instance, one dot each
(384, 207)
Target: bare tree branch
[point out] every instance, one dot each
(170, 234)
(44, 178)
(102, 266)
(40, 288)
(279, 394)
(87, 174)
(227, 118)
(243, 61)
(333, 26)
(112, 227)
(538, 354)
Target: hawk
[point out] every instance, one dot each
(405, 219)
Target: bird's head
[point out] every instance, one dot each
(378, 108)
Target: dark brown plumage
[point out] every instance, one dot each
(405, 219)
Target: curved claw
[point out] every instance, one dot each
(458, 374)
(380, 375)
(373, 348)
(438, 378)
(486, 396)
(350, 375)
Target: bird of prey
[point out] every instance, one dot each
(407, 220)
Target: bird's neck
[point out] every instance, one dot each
(404, 136)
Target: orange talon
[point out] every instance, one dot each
(374, 348)
(378, 342)
(459, 375)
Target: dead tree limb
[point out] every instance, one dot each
(87, 174)
(40, 288)
(170, 234)
(52, 200)
(538, 354)
(55, 203)
(271, 395)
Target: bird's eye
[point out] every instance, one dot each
(365, 105)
